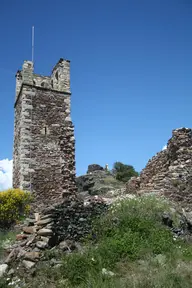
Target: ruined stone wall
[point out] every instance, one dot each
(67, 147)
(49, 113)
(44, 143)
(16, 150)
(22, 139)
(169, 170)
(42, 81)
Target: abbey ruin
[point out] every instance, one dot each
(44, 143)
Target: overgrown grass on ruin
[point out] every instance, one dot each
(6, 239)
(131, 242)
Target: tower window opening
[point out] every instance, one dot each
(57, 76)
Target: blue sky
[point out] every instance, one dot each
(131, 71)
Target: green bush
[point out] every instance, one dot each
(14, 203)
(123, 172)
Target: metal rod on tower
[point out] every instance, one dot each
(33, 32)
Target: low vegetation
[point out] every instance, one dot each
(14, 204)
(6, 238)
(128, 248)
(124, 172)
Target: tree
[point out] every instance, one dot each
(123, 172)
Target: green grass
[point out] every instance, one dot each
(6, 237)
(130, 241)
(3, 283)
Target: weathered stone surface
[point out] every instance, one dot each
(3, 269)
(28, 264)
(45, 239)
(21, 253)
(32, 256)
(99, 182)
(50, 225)
(169, 171)
(94, 167)
(29, 230)
(43, 217)
(44, 143)
(37, 216)
(11, 272)
(41, 244)
(44, 222)
(21, 236)
(30, 240)
(12, 256)
(67, 245)
(45, 232)
(106, 272)
(67, 223)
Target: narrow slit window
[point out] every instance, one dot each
(45, 130)
(57, 76)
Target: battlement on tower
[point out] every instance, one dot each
(59, 80)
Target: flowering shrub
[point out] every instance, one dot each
(14, 203)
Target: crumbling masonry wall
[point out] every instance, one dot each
(44, 143)
(170, 170)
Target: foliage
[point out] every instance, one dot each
(132, 231)
(6, 239)
(3, 283)
(132, 243)
(123, 172)
(14, 203)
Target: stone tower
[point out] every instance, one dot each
(44, 143)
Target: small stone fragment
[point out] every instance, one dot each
(29, 230)
(37, 217)
(3, 269)
(11, 272)
(28, 264)
(33, 256)
(44, 222)
(67, 245)
(45, 216)
(45, 232)
(41, 244)
(31, 240)
(21, 253)
(21, 236)
(23, 243)
(12, 256)
(36, 249)
(49, 226)
(45, 239)
(64, 246)
(106, 272)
